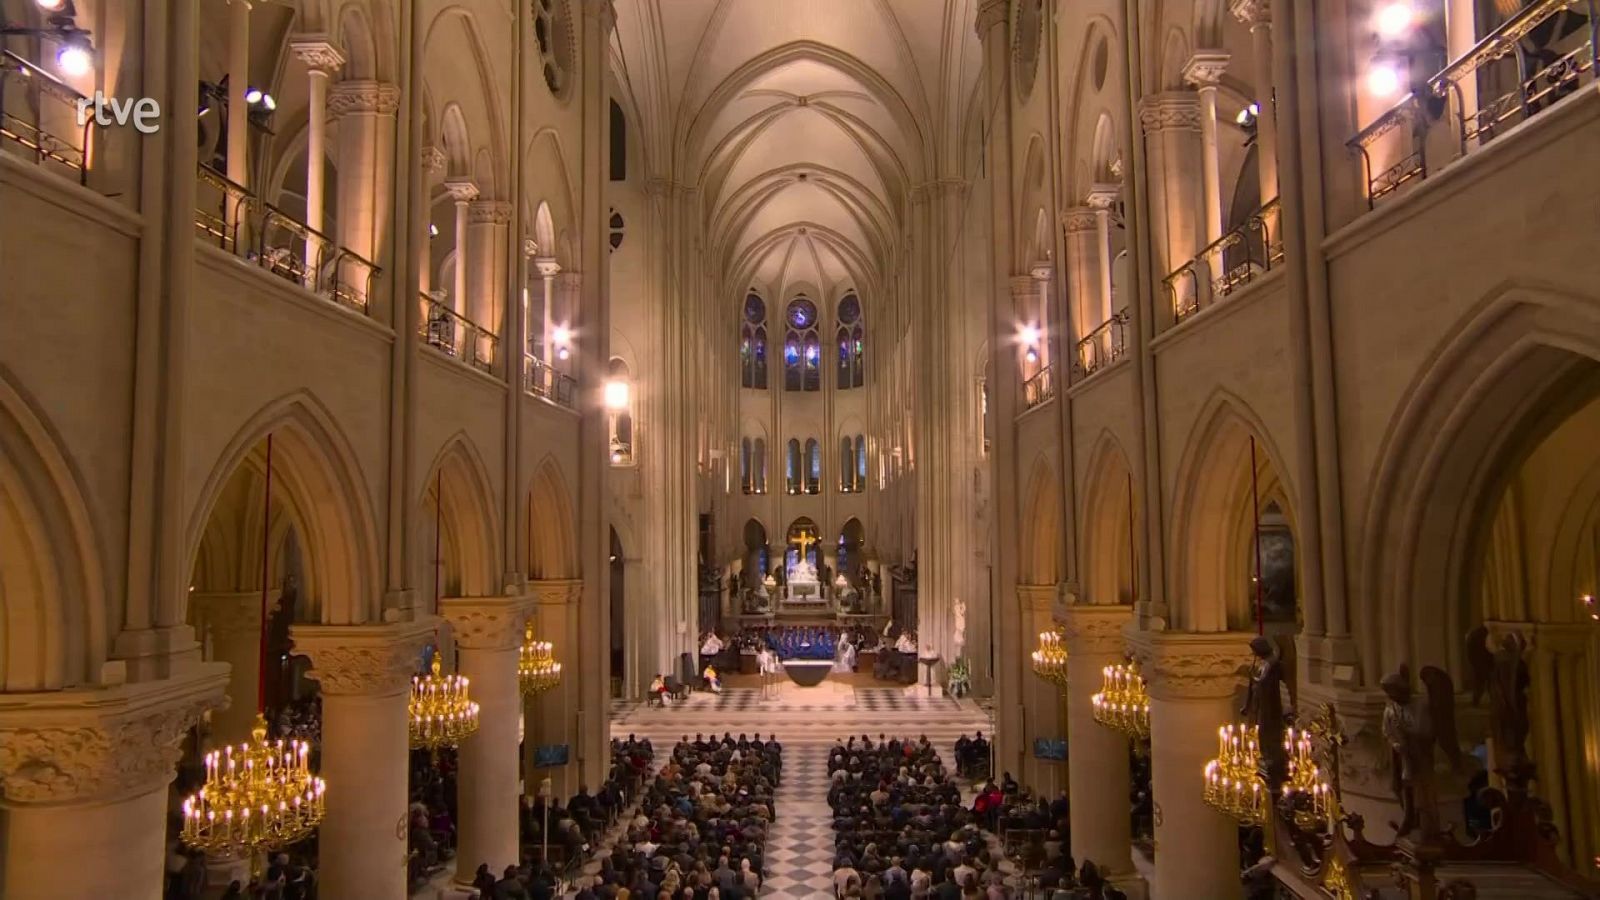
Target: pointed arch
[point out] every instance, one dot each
(552, 530)
(317, 470)
(53, 630)
(1213, 523)
(1040, 559)
(457, 495)
(1110, 525)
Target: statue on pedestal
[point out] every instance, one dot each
(958, 618)
(1264, 708)
(1503, 674)
(1414, 724)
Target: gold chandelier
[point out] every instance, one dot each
(1050, 660)
(537, 670)
(442, 712)
(1122, 703)
(1233, 780)
(260, 795)
(257, 797)
(1316, 803)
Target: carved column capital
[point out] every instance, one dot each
(486, 623)
(433, 160)
(489, 212)
(1184, 666)
(1095, 630)
(1038, 598)
(1077, 219)
(1169, 111)
(373, 660)
(556, 592)
(318, 52)
(362, 96)
(1024, 287)
(231, 615)
(1103, 196)
(547, 266)
(100, 745)
(530, 248)
(461, 190)
(1204, 69)
(1254, 13)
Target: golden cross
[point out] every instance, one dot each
(805, 540)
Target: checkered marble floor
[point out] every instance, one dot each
(806, 721)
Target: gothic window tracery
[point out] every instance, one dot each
(753, 343)
(849, 337)
(802, 347)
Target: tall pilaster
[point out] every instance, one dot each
(433, 165)
(1097, 759)
(238, 133)
(83, 784)
(1257, 15)
(1204, 72)
(1004, 383)
(463, 192)
(1192, 680)
(488, 222)
(365, 673)
(488, 634)
(1082, 262)
(1171, 124)
(321, 59)
(1102, 197)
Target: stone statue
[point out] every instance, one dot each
(1263, 707)
(1503, 674)
(959, 628)
(1413, 724)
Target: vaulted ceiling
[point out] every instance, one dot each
(804, 125)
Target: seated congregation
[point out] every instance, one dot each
(701, 829)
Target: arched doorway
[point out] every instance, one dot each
(852, 538)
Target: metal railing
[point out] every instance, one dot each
(541, 379)
(1227, 263)
(236, 220)
(1040, 388)
(455, 335)
(1539, 77)
(37, 138)
(1104, 345)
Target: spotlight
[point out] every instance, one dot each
(51, 5)
(1247, 115)
(1028, 335)
(563, 354)
(1394, 19)
(616, 395)
(268, 103)
(1383, 79)
(561, 336)
(433, 230)
(74, 59)
(252, 96)
(1032, 355)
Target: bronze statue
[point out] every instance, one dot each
(1414, 724)
(1503, 674)
(1263, 706)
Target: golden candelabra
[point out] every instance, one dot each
(257, 797)
(537, 670)
(1050, 660)
(1122, 703)
(442, 711)
(1316, 805)
(1233, 780)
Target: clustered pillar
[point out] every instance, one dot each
(1097, 762)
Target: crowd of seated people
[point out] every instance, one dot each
(900, 829)
(575, 827)
(972, 756)
(1036, 833)
(802, 642)
(431, 817)
(701, 830)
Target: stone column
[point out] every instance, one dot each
(83, 784)
(433, 163)
(463, 191)
(1043, 697)
(488, 632)
(1082, 279)
(1204, 71)
(1193, 681)
(365, 673)
(365, 110)
(1171, 122)
(551, 718)
(322, 58)
(232, 623)
(1101, 198)
(487, 221)
(548, 270)
(238, 134)
(1257, 14)
(1097, 761)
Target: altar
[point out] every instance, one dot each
(803, 588)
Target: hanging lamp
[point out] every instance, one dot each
(1050, 660)
(261, 795)
(1123, 704)
(441, 709)
(537, 669)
